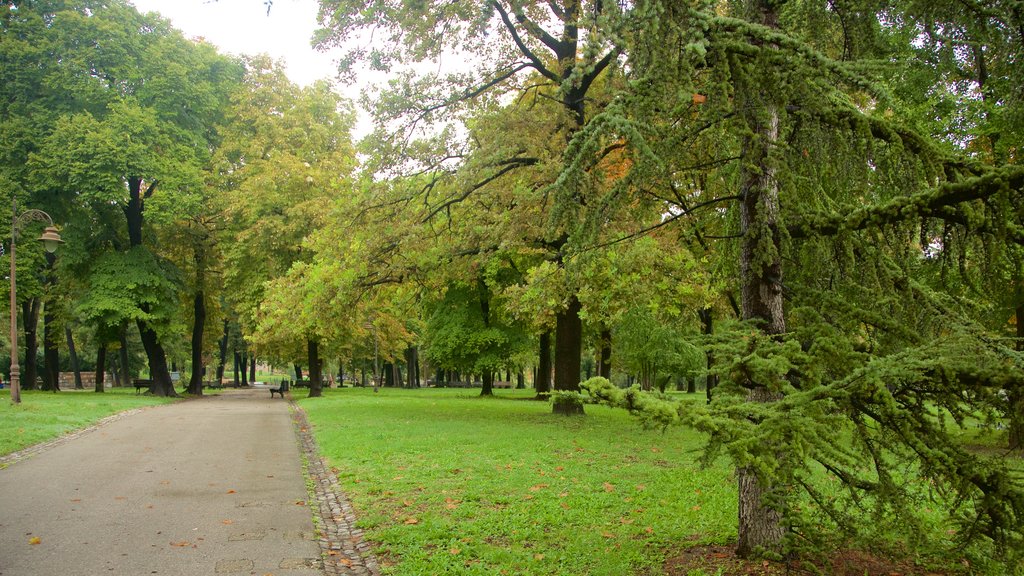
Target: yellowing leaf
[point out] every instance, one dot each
(411, 521)
(455, 551)
(35, 540)
(609, 487)
(231, 491)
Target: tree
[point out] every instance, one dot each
(546, 49)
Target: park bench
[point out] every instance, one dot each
(141, 383)
(281, 389)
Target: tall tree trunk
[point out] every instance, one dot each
(389, 375)
(244, 368)
(520, 380)
(761, 526)
(542, 383)
(73, 356)
(487, 388)
(51, 354)
(252, 368)
(298, 372)
(158, 372)
(605, 364)
(237, 366)
(568, 349)
(707, 320)
(125, 367)
(101, 366)
(316, 385)
(223, 348)
(30, 320)
(134, 212)
(195, 383)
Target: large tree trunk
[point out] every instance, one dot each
(316, 385)
(125, 368)
(542, 383)
(73, 356)
(761, 526)
(236, 367)
(133, 212)
(487, 387)
(158, 372)
(252, 368)
(223, 349)
(195, 383)
(30, 320)
(244, 365)
(51, 354)
(568, 349)
(101, 366)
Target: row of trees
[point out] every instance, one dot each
(815, 203)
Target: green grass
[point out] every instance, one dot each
(446, 482)
(42, 416)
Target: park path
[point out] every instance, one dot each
(209, 486)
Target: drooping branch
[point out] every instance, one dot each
(506, 167)
(535, 62)
(941, 202)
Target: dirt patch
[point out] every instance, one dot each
(714, 560)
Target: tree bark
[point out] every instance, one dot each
(707, 329)
(542, 383)
(761, 527)
(252, 368)
(244, 368)
(487, 386)
(51, 354)
(520, 380)
(223, 347)
(236, 367)
(30, 320)
(123, 356)
(195, 383)
(101, 366)
(298, 372)
(73, 356)
(316, 386)
(568, 350)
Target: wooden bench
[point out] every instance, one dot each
(281, 389)
(140, 383)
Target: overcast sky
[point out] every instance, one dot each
(243, 27)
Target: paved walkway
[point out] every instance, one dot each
(211, 486)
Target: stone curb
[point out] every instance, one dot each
(344, 551)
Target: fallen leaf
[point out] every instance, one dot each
(649, 530)
(181, 544)
(231, 491)
(641, 487)
(538, 487)
(120, 498)
(608, 535)
(624, 520)
(563, 505)
(695, 508)
(538, 557)
(407, 503)
(226, 522)
(35, 540)
(300, 502)
(76, 499)
(655, 449)
(699, 98)
(608, 487)
(411, 521)
(455, 551)
(332, 552)
(559, 468)
(345, 562)
(528, 497)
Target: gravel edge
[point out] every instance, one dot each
(343, 549)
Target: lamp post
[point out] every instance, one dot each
(50, 239)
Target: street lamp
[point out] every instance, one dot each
(50, 239)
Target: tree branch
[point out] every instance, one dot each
(535, 62)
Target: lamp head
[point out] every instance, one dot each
(50, 239)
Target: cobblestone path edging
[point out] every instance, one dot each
(344, 551)
(34, 449)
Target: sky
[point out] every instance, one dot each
(244, 27)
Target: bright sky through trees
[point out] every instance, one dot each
(244, 27)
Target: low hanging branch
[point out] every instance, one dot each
(943, 202)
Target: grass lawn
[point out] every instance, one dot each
(446, 482)
(45, 415)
